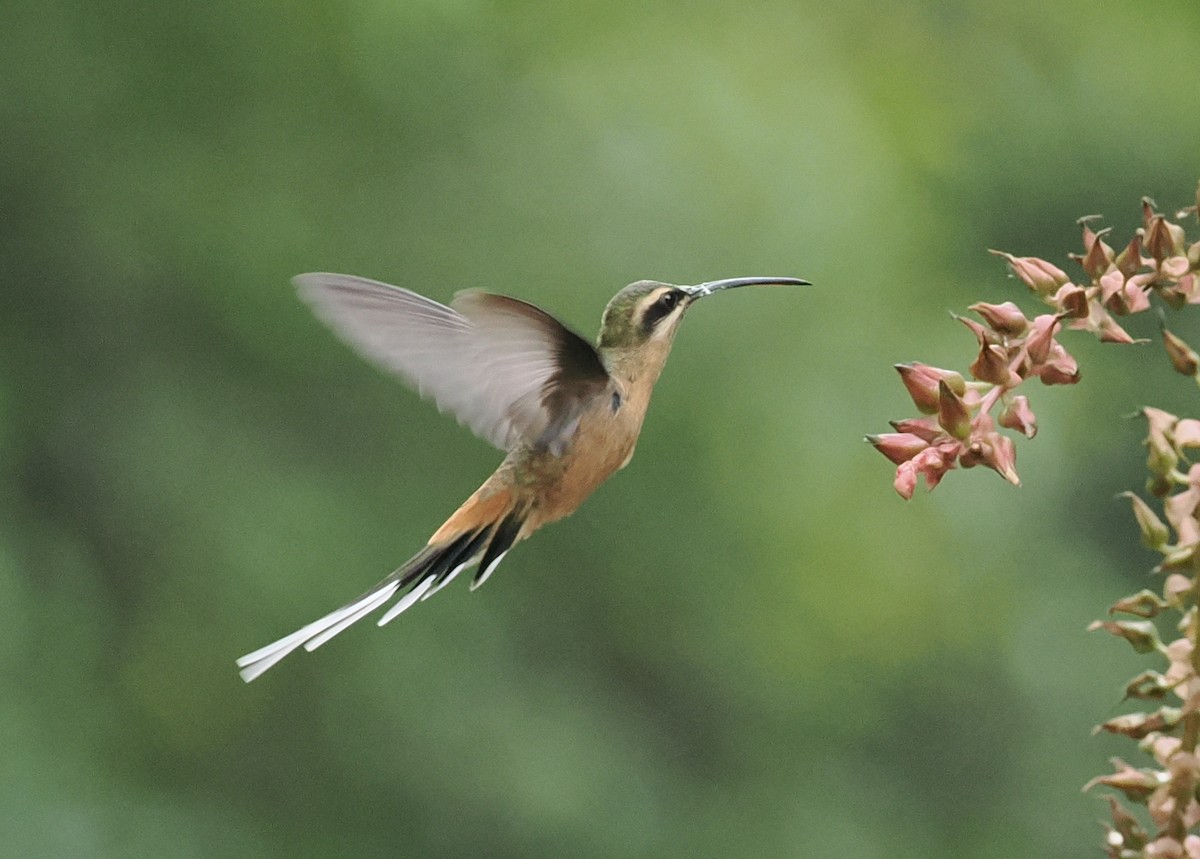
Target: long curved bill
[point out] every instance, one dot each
(702, 289)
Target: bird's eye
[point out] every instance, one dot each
(662, 307)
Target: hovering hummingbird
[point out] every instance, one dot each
(567, 414)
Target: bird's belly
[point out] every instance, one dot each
(583, 469)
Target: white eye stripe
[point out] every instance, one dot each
(659, 306)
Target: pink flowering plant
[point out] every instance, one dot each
(959, 420)
(960, 424)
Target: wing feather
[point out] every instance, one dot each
(509, 371)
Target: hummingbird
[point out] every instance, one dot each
(566, 413)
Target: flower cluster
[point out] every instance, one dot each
(957, 427)
(960, 425)
(955, 430)
(1170, 732)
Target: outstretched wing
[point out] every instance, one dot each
(509, 371)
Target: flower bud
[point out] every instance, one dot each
(905, 483)
(931, 463)
(898, 446)
(1161, 456)
(1138, 725)
(1148, 213)
(922, 382)
(1134, 783)
(989, 448)
(1163, 239)
(1003, 458)
(1071, 300)
(952, 412)
(925, 428)
(991, 365)
(1158, 421)
(1109, 331)
(1004, 318)
(1129, 261)
(1148, 686)
(1037, 344)
(1154, 533)
(1048, 360)
(1141, 634)
(1059, 368)
(1112, 285)
(1099, 256)
(1017, 415)
(1040, 276)
(1144, 603)
(1122, 296)
(982, 334)
(1183, 358)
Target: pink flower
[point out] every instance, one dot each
(953, 414)
(1048, 360)
(931, 463)
(1042, 277)
(987, 447)
(899, 447)
(922, 382)
(1004, 318)
(1017, 415)
(1183, 358)
(1071, 300)
(1099, 256)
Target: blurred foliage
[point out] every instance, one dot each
(743, 645)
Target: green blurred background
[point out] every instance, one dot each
(745, 644)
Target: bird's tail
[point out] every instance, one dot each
(480, 532)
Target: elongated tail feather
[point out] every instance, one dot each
(424, 574)
(456, 562)
(504, 536)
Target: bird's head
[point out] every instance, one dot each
(648, 312)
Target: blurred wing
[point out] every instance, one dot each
(507, 370)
